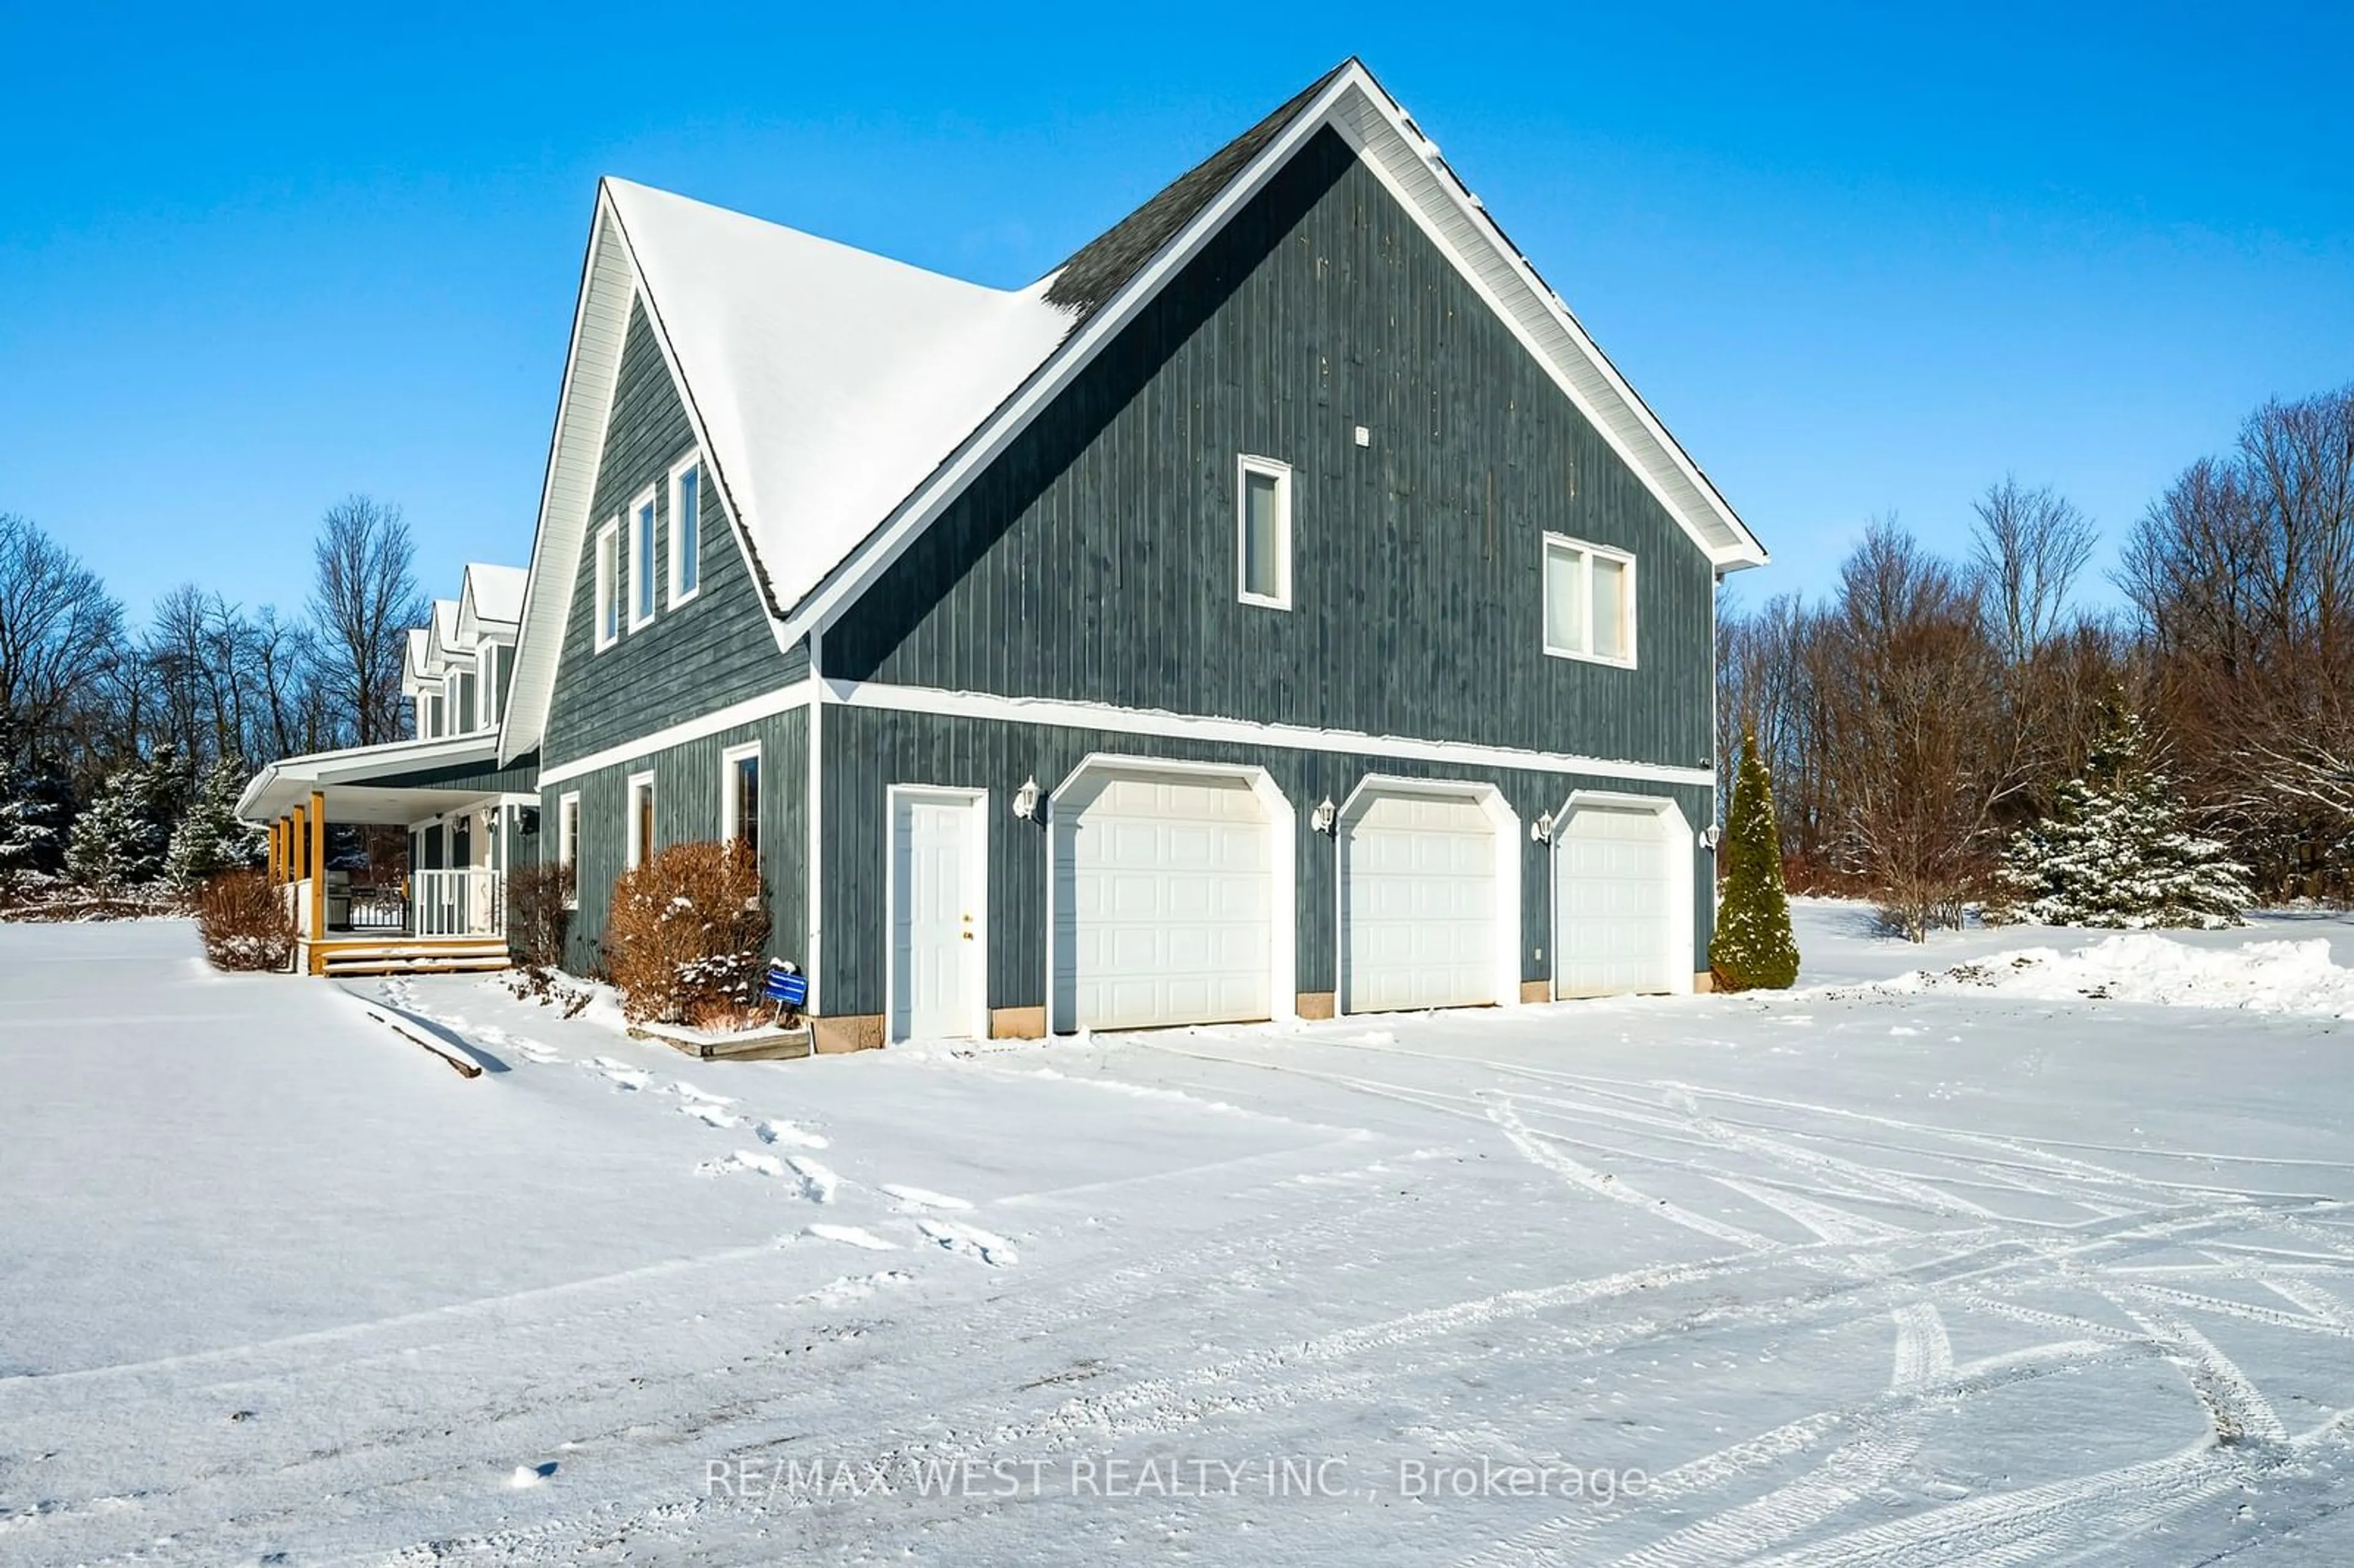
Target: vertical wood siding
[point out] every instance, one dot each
(686, 808)
(1095, 559)
(716, 649)
(866, 750)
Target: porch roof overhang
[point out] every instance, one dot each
(362, 784)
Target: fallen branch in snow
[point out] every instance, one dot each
(465, 1069)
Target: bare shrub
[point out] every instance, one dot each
(244, 922)
(686, 937)
(539, 915)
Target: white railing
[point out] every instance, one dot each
(467, 902)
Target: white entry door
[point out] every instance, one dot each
(1418, 904)
(937, 911)
(1614, 904)
(1163, 897)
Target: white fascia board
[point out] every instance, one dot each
(321, 768)
(1068, 714)
(784, 699)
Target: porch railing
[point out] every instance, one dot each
(470, 901)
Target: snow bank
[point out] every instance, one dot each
(2289, 976)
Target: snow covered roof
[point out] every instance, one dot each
(491, 594)
(843, 399)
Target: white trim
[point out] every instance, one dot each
(1586, 551)
(645, 555)
(728, 759)
(1507, 825)
(635, 849)
(783, 699)
(814, 800)
(607, 567)
(567, 833)
(976, 977)
(1682, 957)
(1283, 872)
(1267, 468)
(1246, 732)
(690, 463)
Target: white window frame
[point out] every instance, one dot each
(692, 463)
(608, 585)
(636, 851)
(567, 832)
(486, 687)
(1585, 553)
(727, 762)
(1281, 471)
(643, 593)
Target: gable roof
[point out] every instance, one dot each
(841, 399)
(491, 595)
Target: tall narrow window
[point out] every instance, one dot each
(1262, 546)
(432, 715)
(641, 562)
(463, 720)
(568, 842)
(685, 533)
(486, 680)
(1589, 601)
(642, 819)
(739, 796)
(608, 585)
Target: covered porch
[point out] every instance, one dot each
(441, 904)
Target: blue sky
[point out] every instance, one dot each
(1862, 261)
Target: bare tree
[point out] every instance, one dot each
(2028, 546)
(59, 627)
(365, 601)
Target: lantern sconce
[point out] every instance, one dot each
(1323, 818)
(1711, 836)
(1541, 831)
(1025, 800)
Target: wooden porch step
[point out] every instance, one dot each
(405, 957)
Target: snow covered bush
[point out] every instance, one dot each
(1753, 947)
(2114, 852)
(685, 942)
(244, 923)
(209, 839)
(539, 915)
(119, 839)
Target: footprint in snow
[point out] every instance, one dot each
(853, 1236)
(710, 1115)
(854, 1287)
(742, 1160)
(924, 1197)
(532, 1051)
(818, 1183)
(531, 1475)
(971, 1240)
(623, 1075)
(786, 1133)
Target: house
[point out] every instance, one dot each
(1281, 607)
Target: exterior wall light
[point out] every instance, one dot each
(1025, 800)
(1711, 836)
(1323, 818)
(1541, 831)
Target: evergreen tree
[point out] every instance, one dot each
(2113, 851)
(35, 804)
(1753, 947)
(119, 839)
(209, 839)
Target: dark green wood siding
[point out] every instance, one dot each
(1096, 558)
(716, 648)
(520, 777)
(866, 750)
(686, 808)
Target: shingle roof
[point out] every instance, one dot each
(1098, 269)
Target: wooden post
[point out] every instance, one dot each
(318, 880)
(299, 829)
(269, 860)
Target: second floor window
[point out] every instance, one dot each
(1263, 525)
(685, 533)
(642, 563)
(1589, 601)
(608, 585)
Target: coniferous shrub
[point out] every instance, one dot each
(2114, 852)
(686, 938)
(244, 923)
(1753, 947)
(209, 839)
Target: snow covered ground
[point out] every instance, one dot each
(1981, 1270)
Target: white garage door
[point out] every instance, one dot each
(1162, 894)
(1417, 904)
(1615, 905)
